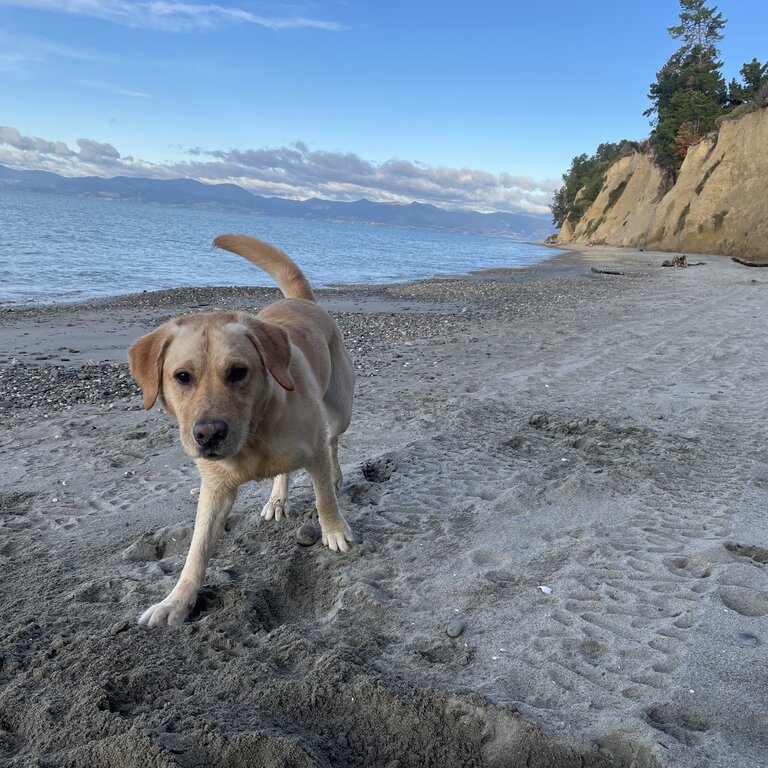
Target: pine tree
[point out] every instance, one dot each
(699, 26)
(689, 93)
(754, 76)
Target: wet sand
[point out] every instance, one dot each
(568, 469)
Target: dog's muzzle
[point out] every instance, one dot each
(209, 435)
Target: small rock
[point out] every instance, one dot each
(118, 627)
(546, 590)
(455, 628)
(308, 534)
(747, 639)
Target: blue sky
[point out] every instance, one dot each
(473, 104)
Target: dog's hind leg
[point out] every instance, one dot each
(277, 507)
(338, 406)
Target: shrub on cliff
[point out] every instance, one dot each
(584, 180)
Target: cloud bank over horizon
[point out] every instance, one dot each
(293, 171)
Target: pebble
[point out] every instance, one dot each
(118, 627)
(747, 639)
(455, 628)
(308, 534)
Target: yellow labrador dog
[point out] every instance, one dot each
(255, 396)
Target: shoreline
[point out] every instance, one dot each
(100, 330)
(595, 435)
(108, 300)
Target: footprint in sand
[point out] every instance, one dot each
(747, 602)
(172, 540)
(379, 470)
(682, 726)
(753, 552)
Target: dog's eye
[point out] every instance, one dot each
(183, 377)
(237, 373)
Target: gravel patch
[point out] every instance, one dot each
(375, 340)
(53, 386)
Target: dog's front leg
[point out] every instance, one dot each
(213, 506)
(337, 535)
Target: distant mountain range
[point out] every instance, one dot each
(188, 192)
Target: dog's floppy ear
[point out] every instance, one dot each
(274, 346)
(145, 360)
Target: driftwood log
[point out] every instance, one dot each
(681, 261)
(747, 263)
(599, 271)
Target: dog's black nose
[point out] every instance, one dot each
(209, 434)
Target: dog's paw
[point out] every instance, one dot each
(338, 538)
(169, 612)
(275, 509)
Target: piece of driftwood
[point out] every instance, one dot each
(678, 261)
(747, 263)
(681, 261)
(599, 271)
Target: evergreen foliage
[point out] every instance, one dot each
(689, 93)
(616, 193)
(584, 180)
(754, 80)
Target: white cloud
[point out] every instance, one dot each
(115, 89)
(171, 16)
(295, 171)
(93, 150)
(12, 137)
(345, 175)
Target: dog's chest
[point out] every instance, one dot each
(261, 466)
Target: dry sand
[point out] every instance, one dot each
(600, 436)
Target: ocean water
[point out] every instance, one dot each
(61, 249)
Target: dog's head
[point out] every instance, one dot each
(213, 372)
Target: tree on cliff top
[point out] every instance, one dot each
(699, 26)
(689, 93)
(755, 78)
(584, 180)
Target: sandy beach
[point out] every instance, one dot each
(558, 478)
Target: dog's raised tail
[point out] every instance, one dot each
(289, 278)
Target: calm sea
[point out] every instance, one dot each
(57, 249)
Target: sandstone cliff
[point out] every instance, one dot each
(719, 203)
